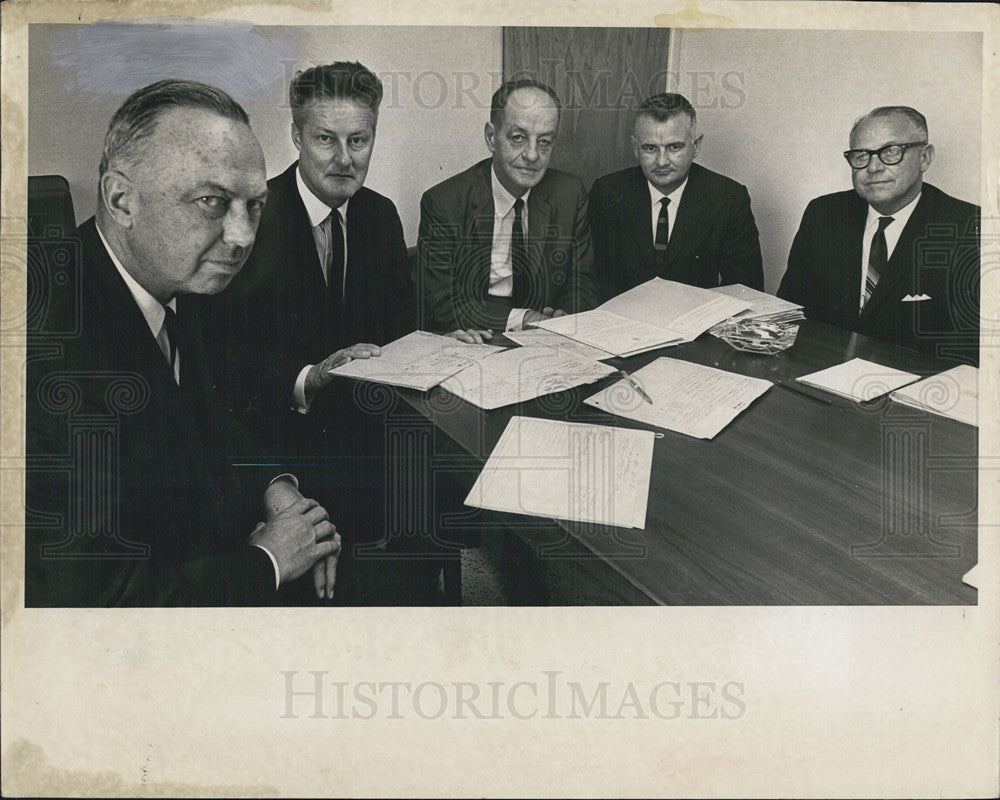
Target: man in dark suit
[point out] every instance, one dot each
(507, 241)
(130, 496)
(896, 258)
(669, 217)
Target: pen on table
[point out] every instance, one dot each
(636, 386)
(799, 389)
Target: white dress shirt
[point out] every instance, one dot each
(892, 232)
(317, 211)
(501, 269)
(655, 196)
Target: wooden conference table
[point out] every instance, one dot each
(795, 502)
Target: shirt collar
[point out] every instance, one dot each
(901, 217)
(503, 201)
(655, 195)
(150, 307)
(315, 208)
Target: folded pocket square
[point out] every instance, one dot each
(916, 298)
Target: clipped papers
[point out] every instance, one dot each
(654, 314)
(953, 393)
(858, 379)
(568, 470)
(522, 374)
(419, 360)
(687, 398)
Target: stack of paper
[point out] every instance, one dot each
(417, 361)
(655, 314)
(522, 374)
(953, 394)
(540, 336)
(762, 306)
(859, 380)
(567, 470)
(688, 398)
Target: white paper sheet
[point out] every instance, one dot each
(539, 336)
(418, 360)
(567, 470)
(953, 393)
(522, 374)
(761, 303)
(858, 379)
(687, 398)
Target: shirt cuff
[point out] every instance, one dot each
(299, 393)
(515, 320)
(274, 563)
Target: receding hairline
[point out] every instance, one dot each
(910, 115)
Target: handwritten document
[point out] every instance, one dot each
(540, 336)
(687, 398)
(568, 470)
(417, 361)
(522, 374)
(858, 379)
(953, 393)
(654, 314)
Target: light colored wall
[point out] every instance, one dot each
(802, 90)
(438, 83)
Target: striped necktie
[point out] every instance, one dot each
(878, 255)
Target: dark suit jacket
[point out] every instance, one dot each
(714, 240)
(937, 254)
(456, 238)
(273, 320)
(130, 497)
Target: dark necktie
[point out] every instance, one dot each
(173, 338)
(335, 263)
(878, 255)
(660, 240)
(519, 258)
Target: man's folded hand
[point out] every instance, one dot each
(298, 537)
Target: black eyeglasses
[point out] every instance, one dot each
(889, 155)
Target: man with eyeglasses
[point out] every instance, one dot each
(668, 216)
(897, 258)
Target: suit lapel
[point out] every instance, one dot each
(638, 209)
(683, 237)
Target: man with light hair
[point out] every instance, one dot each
(895, 258)
(150, 511)
(669, 217)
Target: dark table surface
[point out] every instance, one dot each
(797, 501)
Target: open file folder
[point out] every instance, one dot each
(953, 393)
(568, 470)
(654, 314)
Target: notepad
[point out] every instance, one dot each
(521, 374)
(859, 380)
(688, 398)
(568, 470)
(654, 314)
(953, 393)
(418, 360)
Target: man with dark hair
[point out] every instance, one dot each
(507, 242)
(136, 503)
(670, 217)
(896, 258)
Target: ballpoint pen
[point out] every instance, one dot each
(634, 384)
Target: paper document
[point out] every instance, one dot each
(953, 393)
(522, 374)
(568, 470)
(419, 360)
(858, 379)
(654, 314)
(539, 336)
(687, 398)
(761, 304)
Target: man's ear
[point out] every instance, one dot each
(697, 142)
(119, 197)
(296, 137)
(489, 134)
(926, 157)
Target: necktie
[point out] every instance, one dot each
(173, 338)
(519, 259)
(334, 266)
(662, 226)
(878, 254)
